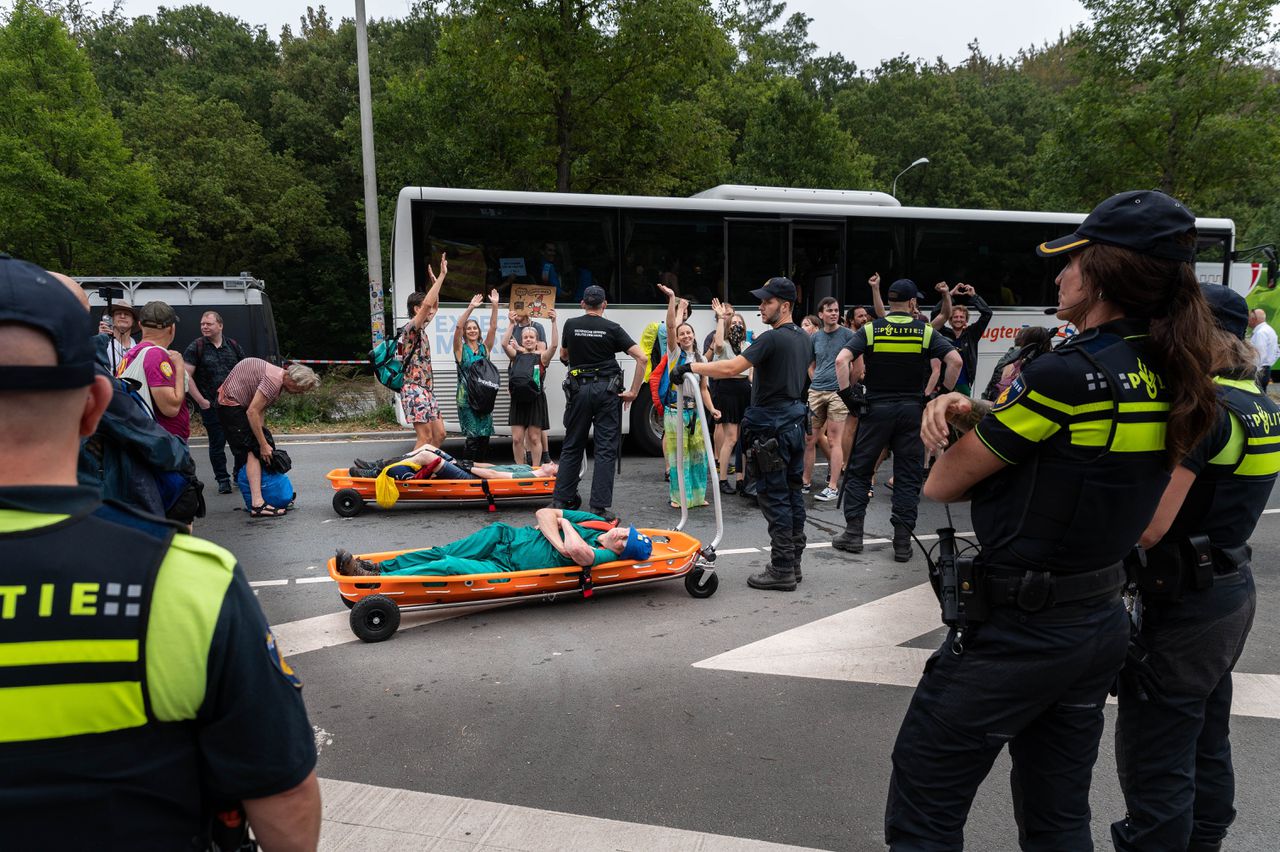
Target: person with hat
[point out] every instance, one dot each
(159, 369)
(119, 323)
(560, 537)
(896, 351)
(1173, 748)
(1064, 474)
(773, 427)
(143, 689)
(594, 398)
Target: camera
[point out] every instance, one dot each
(110, 294)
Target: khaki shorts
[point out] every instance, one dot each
(827, 405)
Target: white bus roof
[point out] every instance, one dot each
(814, 206)
(741, 192)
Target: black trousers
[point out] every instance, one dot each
(895, 425)
(217, 441)
(1036, 682)
(597, 404)
(779, 494)
(1173, 754)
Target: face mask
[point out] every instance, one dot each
(736, 334)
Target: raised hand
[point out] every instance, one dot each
(477, 300)
(682, 307)
(551, 315)
(718, 309)
(667, 291)
(874, 280)
(942, 287)
(493, 297)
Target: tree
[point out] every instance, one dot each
(1172, 95)
(71, 196)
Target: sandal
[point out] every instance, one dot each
(266, 510)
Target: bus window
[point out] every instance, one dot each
(997, 258)
(495, 246)
(871, 247)
(683, 251)
(757, 251)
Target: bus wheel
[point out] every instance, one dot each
(646, 424)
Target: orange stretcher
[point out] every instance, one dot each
(376, 602)
(353, 492)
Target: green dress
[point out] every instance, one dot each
(473, 425)
(498, 547)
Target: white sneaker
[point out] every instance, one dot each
(826, 494)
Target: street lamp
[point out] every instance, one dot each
(923, 161)
(373, 242)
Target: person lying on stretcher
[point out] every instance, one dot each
(561, 537)
(428, 462)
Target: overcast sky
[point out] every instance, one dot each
(866, 31)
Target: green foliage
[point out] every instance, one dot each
(71, 196)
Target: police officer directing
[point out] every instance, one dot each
(896, 350)
(1064, 474)
(1197, 602)
(594, 397)
(140, 686)
(773, 427)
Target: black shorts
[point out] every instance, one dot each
(732, 396)
(240, 437)
(528, 414)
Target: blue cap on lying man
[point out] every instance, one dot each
(638, 548)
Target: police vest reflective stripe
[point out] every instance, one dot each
(1259, 416)
(896, 354)
(103, 635)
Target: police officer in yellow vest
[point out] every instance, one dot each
(897, 349)
(1063, 475)
(1196, 601)
(140, 686)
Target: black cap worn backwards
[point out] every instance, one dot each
(1229, 308)
(783, 289)
(903, 290)
(31, 296)
(1144, 221)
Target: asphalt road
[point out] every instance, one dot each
(642, 705)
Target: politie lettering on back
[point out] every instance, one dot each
(80, 598)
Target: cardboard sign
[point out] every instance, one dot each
(512, 266)
(532, 300)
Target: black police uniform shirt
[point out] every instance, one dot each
(1235, 467)
(105, 778)
(896, 350)
(781, 357)
(1083, 432)
(592, 341)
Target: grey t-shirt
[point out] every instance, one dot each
(826, 346)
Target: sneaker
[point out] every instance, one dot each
(726, 487)
(806, 488)
(826, 494)
(224, 486)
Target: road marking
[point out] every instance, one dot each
(313, 580)
(256, 584)
(864, 645)
(362, 816)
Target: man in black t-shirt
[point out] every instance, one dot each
(773, 428)
(594, 397)
(209, 359)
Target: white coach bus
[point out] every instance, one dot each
(723, 243)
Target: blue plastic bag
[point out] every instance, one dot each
(277, 490)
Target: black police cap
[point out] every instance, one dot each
(32, 297)
(1144, 221)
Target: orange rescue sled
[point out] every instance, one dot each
(353, 492)
(376, 602)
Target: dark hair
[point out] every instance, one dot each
(415, 299)
(829, 300)
(217, 316)
(1184, 339)
(1034, 336)
(813, 320)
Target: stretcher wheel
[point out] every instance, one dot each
(694, 585)
(375, 618)
(348, 503)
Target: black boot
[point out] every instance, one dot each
(901, 543)
(1204, 846)
(470, 448)
(774, 578)
(798, 542)
(850, 540)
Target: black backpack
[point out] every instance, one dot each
(482, 382)
(524, 377)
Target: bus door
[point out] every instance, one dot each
(808, 251)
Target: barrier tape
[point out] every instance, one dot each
(326, 361)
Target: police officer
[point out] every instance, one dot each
(773, 427)
(594, 397)
(1064, 474)
(896, 350)
(140, 686)
(1172, 747)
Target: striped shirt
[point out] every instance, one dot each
(247, 378)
